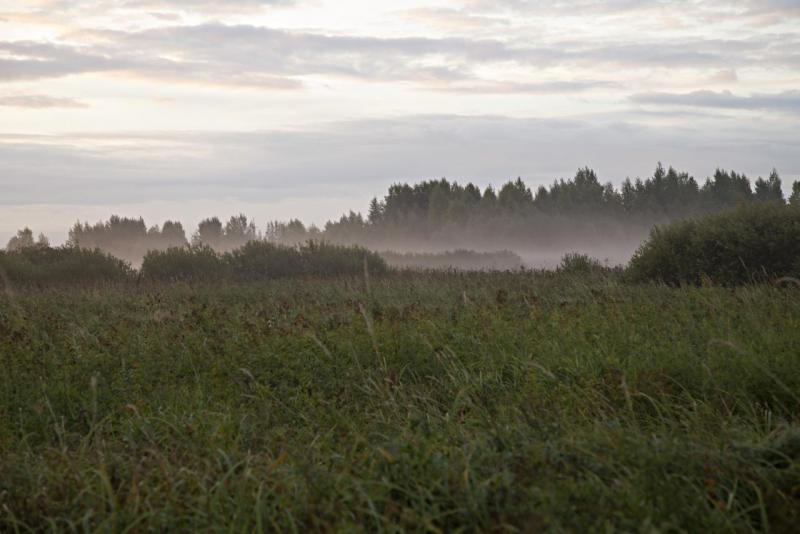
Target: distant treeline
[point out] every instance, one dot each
(443, 215)
(446, 211)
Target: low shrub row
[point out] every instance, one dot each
(43, 265)
(259, 260)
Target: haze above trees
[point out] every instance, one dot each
(440, 214)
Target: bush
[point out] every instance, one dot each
(325, 259)
(575, 263)
(198, 263)
(259, 260)
(750, 243)
(42, 265)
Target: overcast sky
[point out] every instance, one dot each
(307, 108)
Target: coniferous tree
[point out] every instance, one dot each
(376, 208)
(769, 190)
(514, 196)
(794, 199)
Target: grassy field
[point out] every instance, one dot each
(424, 402)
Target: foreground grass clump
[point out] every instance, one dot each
(751, 243)
(260, 260)
(424, 402)
(43, 265)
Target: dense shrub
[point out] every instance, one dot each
(321, 258)
(576, 263)
(42, 265)
(465, 260)
(199, 263)
(259, 260)
(747, 244)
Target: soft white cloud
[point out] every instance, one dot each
(39, 102)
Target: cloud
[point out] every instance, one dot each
(724, 76)
(362, 158)
(40, 102)
(95, 7)
(250, 56)
(29, 60)
(732, 7)
(784, 101)
(454, 19)
(214, 4)
(255, 56)
(536, 88)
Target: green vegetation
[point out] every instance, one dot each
(433, 402)
(583, 264)
(259, 260)
(41, 265)
(190, 263)
(756, 242)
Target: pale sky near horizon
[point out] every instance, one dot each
(307, 108)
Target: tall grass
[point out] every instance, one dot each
(432, 402)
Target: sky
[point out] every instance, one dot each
(183, 109)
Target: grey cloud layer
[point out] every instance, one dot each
(784, 101)
(29, 60)
(733, 7)
(259, 56)
(364, 157)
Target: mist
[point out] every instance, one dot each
(443, 224)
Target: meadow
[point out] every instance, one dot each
(517, 401)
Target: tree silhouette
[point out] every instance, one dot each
(794, 199)
(238, 231)
(209, 233)
(769, 190)
(23, 240)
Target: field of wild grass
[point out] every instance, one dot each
(425, 402)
